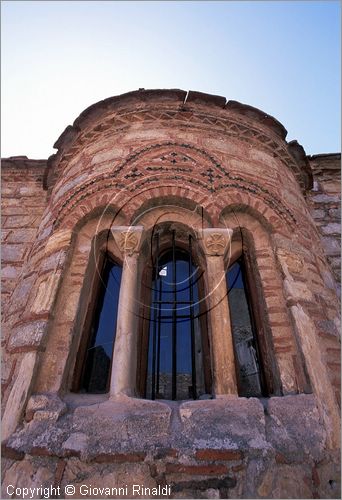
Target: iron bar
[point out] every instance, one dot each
(155, 325)
(160, 282)
(174, 324)
(193, 346)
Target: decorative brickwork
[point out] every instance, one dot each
(222, 175)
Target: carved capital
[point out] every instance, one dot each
(216, 241)
(128, 238)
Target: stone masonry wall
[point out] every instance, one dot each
(22, 206)
(200, 449)
(325, 203)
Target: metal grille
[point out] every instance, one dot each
(173, 308)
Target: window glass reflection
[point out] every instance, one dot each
(98, 357)
(245, 345)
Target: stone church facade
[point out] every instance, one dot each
(231, 391)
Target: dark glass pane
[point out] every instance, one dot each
(171, 306)
(248, 368)
(100, 350)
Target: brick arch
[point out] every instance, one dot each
(128, 203)
(110, 211)
(172, 202)
(94, 205)
(242, 202)
(170, 168)
(155, 163)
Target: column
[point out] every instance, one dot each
(216, 244)
(124, 366)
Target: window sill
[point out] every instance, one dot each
(103, 429)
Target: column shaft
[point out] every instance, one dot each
(224, 377)
(124, 366)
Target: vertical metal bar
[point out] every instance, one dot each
(193, 346)
(160, 281)
(174, 321)
(156, 274)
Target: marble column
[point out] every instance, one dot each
(124, 366)
(216, 243)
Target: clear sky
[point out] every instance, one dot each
(60, 57)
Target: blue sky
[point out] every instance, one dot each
(60, 57)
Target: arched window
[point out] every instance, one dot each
(248, 361)
(93, 366)
(177, 344)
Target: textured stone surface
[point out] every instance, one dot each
(123, 425)
(287, 418)
(27, 335)
(127, 442)
(325, 204)
(18, 395)
(26, 474)
(45, 406)
(230, 422)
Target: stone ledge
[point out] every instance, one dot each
(127, 429)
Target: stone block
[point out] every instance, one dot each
(325, 198)
(12, 253)
(9, 272)
(331, 245)
(45, 294)
(229, 423)
(123, 424)
(329, 478)
(27, 335)
(292, 482)
(76, 444)
(20, 221)
(335, 213)
(22, 235)
(26, 474)
(53, 261)
(297, 290)
(293, 427)
(58, 240)
(97, 476)
(331, 228)
(45, 407)
(42, 437)
(17, 398)
(318, 214)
